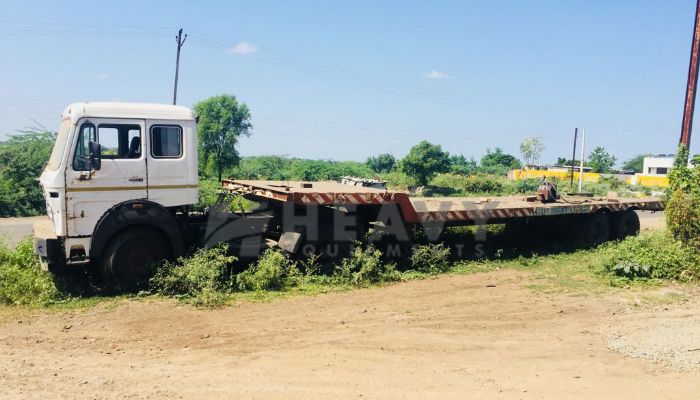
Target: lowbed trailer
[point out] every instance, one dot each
(415, 210)
(592, 219)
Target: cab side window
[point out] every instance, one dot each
(82, 149)
(118, 141)
(166, 141)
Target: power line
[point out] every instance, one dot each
(294, 63)
(381, 84)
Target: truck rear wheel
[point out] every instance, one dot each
(127, 263)
(593, 230)
(625, 224)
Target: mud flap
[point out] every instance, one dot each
(290, 241)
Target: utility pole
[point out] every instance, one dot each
(691, 88)
(180, 41)
(573, 159)
(583, 157)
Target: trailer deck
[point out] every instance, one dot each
(433, 209)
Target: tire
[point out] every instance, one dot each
(127, 262)
(624, 224)
(593, 229)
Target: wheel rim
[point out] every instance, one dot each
(137, 264)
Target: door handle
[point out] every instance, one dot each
(135, 179)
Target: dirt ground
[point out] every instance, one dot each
(460, 336)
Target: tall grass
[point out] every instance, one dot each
(208, 277)
(654, 256)
(22, 281)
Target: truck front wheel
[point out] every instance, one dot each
(127, 262)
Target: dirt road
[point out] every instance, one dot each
(12, 230)
(480, 336)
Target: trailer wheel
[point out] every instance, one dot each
(128, 260)
(594, 229)
(625, 224)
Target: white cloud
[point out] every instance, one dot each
(102, 76)
(244, 48)
(435, 74)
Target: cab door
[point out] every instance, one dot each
(122, 176)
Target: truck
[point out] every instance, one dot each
(122, 181)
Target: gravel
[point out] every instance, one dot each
(670, 337)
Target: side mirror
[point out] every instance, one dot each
(95, 156)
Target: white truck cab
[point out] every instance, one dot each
(117, 167)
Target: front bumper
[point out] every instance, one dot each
(47, 245)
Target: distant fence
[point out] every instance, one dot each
(559, 176)
(648, 180)
(518, 174)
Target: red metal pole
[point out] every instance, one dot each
(691, 88)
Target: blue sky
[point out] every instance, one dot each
(348, 80)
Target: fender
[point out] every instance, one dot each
(132, 213)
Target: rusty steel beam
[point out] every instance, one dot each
(691, 88)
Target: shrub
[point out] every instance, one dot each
(398, 180)
(527, 185)
(482, 185)
(465, 185)
(431, 258)
(683, 207)
(208, 193)
(364, 266)
(22, 281)
(273, 271)
(198, 276)
(683, 218)
(654, 256)
(612, 182)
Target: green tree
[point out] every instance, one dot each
(562, 161)
(22, 158)
(460, 165)
(276, 168)
(600, 160)
(424, 161)
(381, 163)
(222, 120)
(532, 148)
(635, 164)
(497, 162)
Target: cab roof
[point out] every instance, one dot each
(76, 111)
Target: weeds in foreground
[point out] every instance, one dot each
(653, 256)
(207, 278)
(273, 271)
(22, 281)
(431, 258)
(364, 266)
(203, 276)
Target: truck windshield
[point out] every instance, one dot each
(59, 146)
